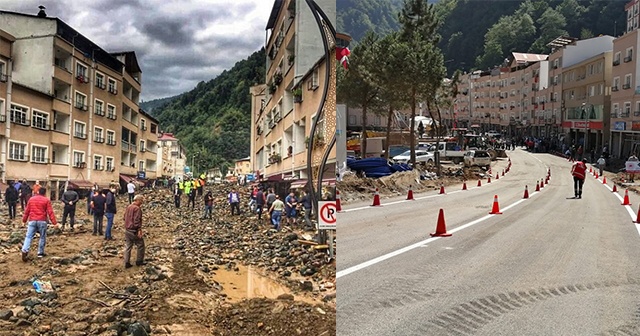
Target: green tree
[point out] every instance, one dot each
(424, 62)
(358, 87)
(510, 33)
(552, 24)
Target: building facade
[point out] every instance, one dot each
(70, 109)
(284, 109)
(171, 157)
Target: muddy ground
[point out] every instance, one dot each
(192, 284)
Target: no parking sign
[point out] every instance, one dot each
(327, 215)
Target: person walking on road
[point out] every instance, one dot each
(25, 193)
(601, 164)
(69, 199)
(208, 205)
(306, 203)
(260, 200)
(133, 232)
(110, 212)
(579, 171)
(276, 212)
(38, 210)
(11, 197)
(234, 201)
(131, 190)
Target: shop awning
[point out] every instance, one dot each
(127, 179)
(298, 184)
(80, 184)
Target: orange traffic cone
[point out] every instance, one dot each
(604, 180)
(537, 186)
(479, 183)
(597, 176)
(637, 221)
(489, 179)
(526, 192)
(441, 227)
(338, 205)
(496, 207)
(546, 180)
(590, 171)
(441, 189)
(497, 176)
(464, 185)
(410, 194)
(503, 172)
(541, 184)
(615, 189)
(626, 197)
(376, 198)
(549, 171)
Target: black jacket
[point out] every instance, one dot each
(11, 195)
(111, 203)
(25, 189)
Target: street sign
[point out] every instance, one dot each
(327, 216)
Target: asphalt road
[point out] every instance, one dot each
(548, 265)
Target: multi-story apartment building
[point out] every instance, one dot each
(65, 106)
(625, 88)
(171, 156)
(284, 109)
(546, 96)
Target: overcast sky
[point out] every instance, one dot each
(178, 42)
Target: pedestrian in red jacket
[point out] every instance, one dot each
(38, 210)
(579, 171)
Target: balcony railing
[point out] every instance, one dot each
(125, 145)
(20, 120)
(40, 125)
(626, 86)
(101, 85)
(18, 157)
(98, 139)
(79, 135)
(111, 142)
(636, 113)
(627, 59)
(40, 160)
(79, 164)
(614, 88)
(624, 114)
(99, 112)
(81, 106)
(111, 116)
(98, 167)
(113, 91)
(616, 62)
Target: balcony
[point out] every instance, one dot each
(58, 137)
(627, 59)
(125, 145)
(616, 62)
(60, 104)
(62, 74)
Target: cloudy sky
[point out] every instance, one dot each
(178, 42)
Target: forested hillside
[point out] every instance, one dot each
(151, 105)
(479, 34)
(214, 119)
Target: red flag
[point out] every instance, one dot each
(342, 56)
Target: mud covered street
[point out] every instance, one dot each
(231, 275)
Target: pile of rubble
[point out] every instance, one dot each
(92, 294)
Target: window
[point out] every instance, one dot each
(82, 72)
(143, 124)
(111, 112)
(81, 101)
(40, 120)
(627, 109)
(18, 114)
(78, 159)
(592, 90)
(616, 59)
(109, 164)
(98, 134)
(97, 162)
(39, 154)
(352, 120)
(637, 111)
(98, 107)
(142, 146)
(615, 110)
(141, 165)
(313, 82)
(616, 84)
(113, 86)
(79, 130)
(111, 138)
(17, 151)
(100, 81)
(3, 72)
(627, 81)
(629, 55)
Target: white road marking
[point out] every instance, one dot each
(422, 243)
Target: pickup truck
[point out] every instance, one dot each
(449, 151)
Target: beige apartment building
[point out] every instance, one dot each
(172, 157)
(70, 109)
(545, 96)
(284, 109)
(625, 88)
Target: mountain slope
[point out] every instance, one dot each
(213, 120)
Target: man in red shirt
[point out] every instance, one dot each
(579, 171)
(133, 232)
(38, 209)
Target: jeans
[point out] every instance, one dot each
(107, 233)
(12, 209)
(176, 201)
(71, 213)
(236, 206)
(276, 217)
(307, 213)
(32, 228)
(577, 186)
(259, 210)
(131, 195)
(97, 223)
(208, 210)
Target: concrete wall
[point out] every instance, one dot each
(585, 49)
(309, 46)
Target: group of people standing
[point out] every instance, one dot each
(38, 213)
(19, 192)
(276, 208)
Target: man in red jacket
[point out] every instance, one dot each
(579, 171)
(38, 209)
(133, 232)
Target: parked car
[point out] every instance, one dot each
(477, 158)
(395, 150)
(422, 156)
